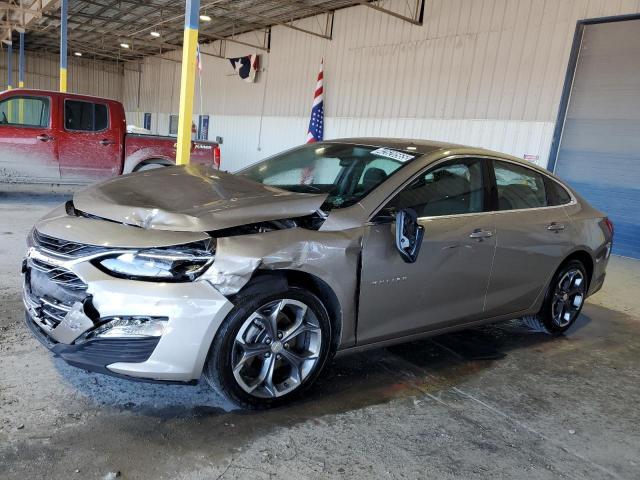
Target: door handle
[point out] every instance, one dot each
(555, 227)
(106, 142)
(480, 234)
(44, 137)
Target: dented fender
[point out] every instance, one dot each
(332, 256)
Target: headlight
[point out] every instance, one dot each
(129, 327)
(158, 264)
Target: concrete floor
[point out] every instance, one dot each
(496, 402)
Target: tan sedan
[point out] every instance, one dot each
(256, 279)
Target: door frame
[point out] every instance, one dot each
(569, 78)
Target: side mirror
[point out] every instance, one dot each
(409, 234)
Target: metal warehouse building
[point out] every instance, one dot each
(319, 239)
(557, 82)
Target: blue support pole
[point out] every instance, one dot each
(9, 81)
(64, 6)
(9, 66)
(21, 62)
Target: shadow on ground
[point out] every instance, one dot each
(349, 382)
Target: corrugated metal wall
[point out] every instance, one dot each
(84, 75)
(481, 72)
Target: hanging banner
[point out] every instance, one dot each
(246, 67)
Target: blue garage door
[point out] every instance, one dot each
(599, 152)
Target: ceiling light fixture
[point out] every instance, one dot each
(124, 45)
(205, 18)
(155, 34)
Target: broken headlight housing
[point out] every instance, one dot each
(127, 327)
(139, 327)
(158, 264)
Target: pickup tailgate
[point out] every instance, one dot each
(140, 148)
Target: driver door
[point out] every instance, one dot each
(447, 284)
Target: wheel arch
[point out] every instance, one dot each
(152, 161)
(583, 257)
(275, 280)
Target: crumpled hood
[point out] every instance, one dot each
(195, 198)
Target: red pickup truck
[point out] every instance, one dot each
(58, 137)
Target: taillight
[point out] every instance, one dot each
(216, 156)
(609, 224)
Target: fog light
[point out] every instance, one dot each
(131, 327)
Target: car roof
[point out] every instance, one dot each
(420, 146)
(427, 147)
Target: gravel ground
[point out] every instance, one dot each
(495, 402)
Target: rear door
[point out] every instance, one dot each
(448, 282)
(533, 236)
(28, 144)
(90, 145)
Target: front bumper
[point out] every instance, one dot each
(96, 355)
(194, 310)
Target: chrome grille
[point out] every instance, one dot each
(63, 248)
(49, 312)
(59, 275)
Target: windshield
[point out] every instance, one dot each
(346, 172)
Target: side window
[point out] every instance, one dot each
(85, 116)
(519, 187)
(556, 193)
(25, 112)
(101, 117)
(451, 188)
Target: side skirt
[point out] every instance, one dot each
(429, 333)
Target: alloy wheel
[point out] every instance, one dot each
(276, 348)
(568, 297)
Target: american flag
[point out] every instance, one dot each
(198, 59)
(316, 124)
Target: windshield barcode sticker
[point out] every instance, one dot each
(394, 154)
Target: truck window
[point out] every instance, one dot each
(25, 111)
(85, 116)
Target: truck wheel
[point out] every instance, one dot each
(270, 348)
(149, 166)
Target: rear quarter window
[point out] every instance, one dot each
(556, 193)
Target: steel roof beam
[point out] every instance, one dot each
(415, 19)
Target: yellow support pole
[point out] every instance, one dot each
(187, 81)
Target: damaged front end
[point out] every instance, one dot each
(143, 291)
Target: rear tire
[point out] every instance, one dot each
(563, 301)
(270, 348)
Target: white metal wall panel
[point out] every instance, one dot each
(485, 72)
(84, 75)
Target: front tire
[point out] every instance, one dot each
(270, 348)
(563, 301)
